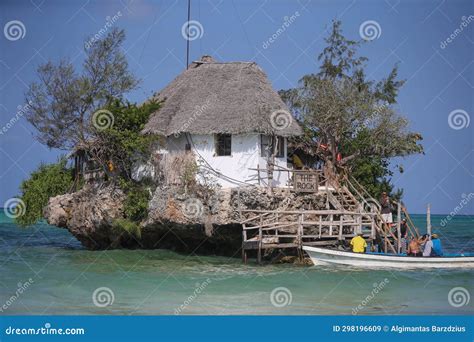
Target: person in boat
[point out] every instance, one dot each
(433, 247)
(358, 244)
(386, 209)
(424, 239)
(414, 248)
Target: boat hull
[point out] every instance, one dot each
(322, 256)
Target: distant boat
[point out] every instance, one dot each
(328, 256)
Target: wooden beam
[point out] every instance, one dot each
(428, 219)
(399, 235)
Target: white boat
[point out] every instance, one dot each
(323, 256)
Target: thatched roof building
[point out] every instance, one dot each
(213, 98)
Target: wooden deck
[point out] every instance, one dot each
(291, 229)
(355, 211)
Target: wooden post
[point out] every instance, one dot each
(341, 218)
(373, 218)
(240, 207)
(258, 174)
(428, 219)
(244, 251)
(259, 252)
(276, 220)
(372, 227)
(399, 235)
(290, 185)
(359, 220)
(320, 225)
(300, 237)
(330, 224)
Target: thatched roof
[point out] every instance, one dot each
(212, 97)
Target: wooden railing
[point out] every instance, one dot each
(368, 200)
(283, 229)
(263, 176)
(355, 208)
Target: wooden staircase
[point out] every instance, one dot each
(351, 210)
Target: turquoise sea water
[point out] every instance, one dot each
(64, 277)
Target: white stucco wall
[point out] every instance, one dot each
(234, 168)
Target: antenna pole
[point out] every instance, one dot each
(187, 40)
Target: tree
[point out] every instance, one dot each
(345, 113)
(47, 181)
(62, 102)
(122, 144)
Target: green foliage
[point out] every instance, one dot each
(47, 181)
(341, 109)
(122, 143)
(62, 101)
(339, 56)
(188, 176)
(136, 202)
(128, 226)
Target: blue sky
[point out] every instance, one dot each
(440, 76)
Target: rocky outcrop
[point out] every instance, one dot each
(88, 214)
(199, 222)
